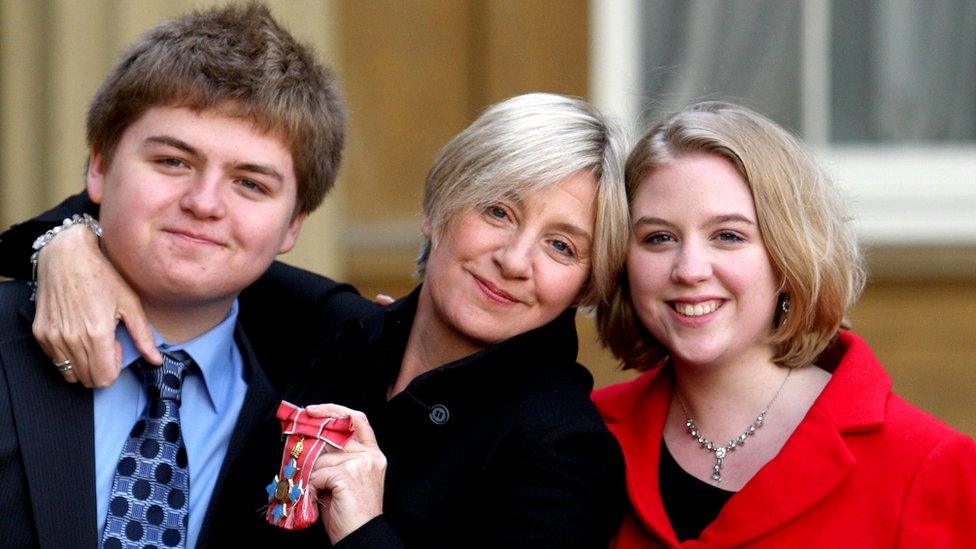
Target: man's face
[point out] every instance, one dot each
(194, 206)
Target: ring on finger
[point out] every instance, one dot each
(64, 366)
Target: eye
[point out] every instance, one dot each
(563, 247)
(251, 185)
(497, 211)
(730, 237)
(658, 238)
(173, 163)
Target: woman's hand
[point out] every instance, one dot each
(80, 300)
(349, 481)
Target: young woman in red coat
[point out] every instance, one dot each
(759, 422)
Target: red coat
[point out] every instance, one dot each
(863, 469)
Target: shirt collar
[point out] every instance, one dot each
(212, 351)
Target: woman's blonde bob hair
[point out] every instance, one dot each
(807, 235)
(523, 145)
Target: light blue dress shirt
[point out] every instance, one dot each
(210, 402)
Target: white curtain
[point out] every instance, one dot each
(900, 70)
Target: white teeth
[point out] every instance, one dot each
(697, 309)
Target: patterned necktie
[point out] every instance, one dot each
(151, 489)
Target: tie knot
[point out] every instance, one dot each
(164, 382)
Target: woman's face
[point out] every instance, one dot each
(511, 267)
(701, 280)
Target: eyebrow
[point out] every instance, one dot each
(714, 220)
(574, 230)
(190, 149)
(261, 169)
(173, 142)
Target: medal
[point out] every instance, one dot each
(290, 506)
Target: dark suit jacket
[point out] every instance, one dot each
(47, 469)
(47, 441)
(47, 480)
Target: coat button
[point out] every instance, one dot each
(439, 414)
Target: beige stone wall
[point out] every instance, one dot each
(53, 55)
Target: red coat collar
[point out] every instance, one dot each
(812, 463)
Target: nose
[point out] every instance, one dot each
(692, 265)
(203, 197)
(514, 258)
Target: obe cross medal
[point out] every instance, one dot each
(283, 491)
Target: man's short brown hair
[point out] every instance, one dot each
(239, 60)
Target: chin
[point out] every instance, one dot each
(696, 356)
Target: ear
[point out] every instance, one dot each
(95, 177)
(425, 227)
(292, 235)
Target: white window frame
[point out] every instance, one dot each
(902, 195)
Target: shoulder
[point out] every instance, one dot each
(620, 401)
(940, 502)
(555, 391)
(907, 420)
(288, 298)
(859, 400)
(286, 284)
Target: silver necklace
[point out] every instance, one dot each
(722, 451)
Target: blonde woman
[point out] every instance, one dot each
(759, 421)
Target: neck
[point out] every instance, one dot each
(431, 344)
(181, 323)
(726, 397)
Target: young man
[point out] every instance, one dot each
(210, 141)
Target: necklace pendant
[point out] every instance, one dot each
(717, 468)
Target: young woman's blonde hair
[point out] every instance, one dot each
(523, 145)
(807, 234)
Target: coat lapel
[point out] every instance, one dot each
(55, 430)
(638, 423)
(233, 500)
(810, 466)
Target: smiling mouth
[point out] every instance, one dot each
(194, 238)
(494, 292)
(696, 309)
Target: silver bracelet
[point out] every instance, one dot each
(46, 238)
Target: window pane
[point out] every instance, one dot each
(745, 51)
(903, 71)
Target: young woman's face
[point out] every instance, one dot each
(701, 280)
(511, 267)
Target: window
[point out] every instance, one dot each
(885, 92)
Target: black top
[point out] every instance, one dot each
(502, 448)
(691, 504)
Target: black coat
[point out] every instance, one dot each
(47, 451)
(500, 449)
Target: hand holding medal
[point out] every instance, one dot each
(290, 503)
(350, 481)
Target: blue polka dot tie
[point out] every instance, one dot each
(149, 506)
